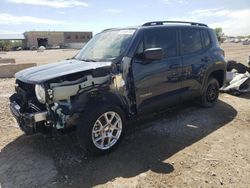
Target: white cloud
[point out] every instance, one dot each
(52, 3)
(200, 13)
(233, 22)
(8, 19)
(60, 12)
(175, 1)
(113, 10)
(9, 32)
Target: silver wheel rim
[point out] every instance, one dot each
(107, 130)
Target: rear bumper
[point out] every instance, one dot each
(29, 119)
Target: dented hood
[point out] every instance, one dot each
(46, 72)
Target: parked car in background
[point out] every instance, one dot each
(247, 42)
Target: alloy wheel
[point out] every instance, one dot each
(107, 130)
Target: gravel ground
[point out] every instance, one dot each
(48, 56)
(185, 146)
(237, 51)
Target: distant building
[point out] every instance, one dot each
(50, 39)
(12, 41)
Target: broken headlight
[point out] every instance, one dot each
(40, 93)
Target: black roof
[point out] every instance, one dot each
(164, 23)
(155, 23)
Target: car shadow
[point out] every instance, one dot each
(244, 96)
(147, 144)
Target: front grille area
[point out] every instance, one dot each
(27, 97)
(28, 88)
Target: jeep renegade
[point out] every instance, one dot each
(118, 75)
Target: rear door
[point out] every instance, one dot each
(194, 60)
(157, 83)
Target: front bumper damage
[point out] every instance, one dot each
(67, 97)
(29, 119)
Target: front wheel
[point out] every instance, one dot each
(211, 93)
(100, 129)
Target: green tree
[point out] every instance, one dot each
(219, 33)
(1, 45)
(7, 46)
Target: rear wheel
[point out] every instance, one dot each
(211, 93)
(100, 129)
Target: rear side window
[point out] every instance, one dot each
(191, 40)
(206, 38)
(161, 38)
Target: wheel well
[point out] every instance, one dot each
(109, 98)
(219, 76)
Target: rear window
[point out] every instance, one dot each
(190, 40)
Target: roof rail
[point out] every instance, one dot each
(162, 23)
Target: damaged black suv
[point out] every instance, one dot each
(118, 75)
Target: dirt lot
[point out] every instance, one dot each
(47, 56)
(237, 51)
(186, 146)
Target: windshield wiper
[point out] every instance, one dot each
(88, 60)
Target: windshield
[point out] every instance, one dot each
(106, 46)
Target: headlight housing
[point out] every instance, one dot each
(40, 93)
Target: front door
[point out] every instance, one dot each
(157, 83)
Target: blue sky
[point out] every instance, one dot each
(17, 16)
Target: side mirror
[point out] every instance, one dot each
(151, 54)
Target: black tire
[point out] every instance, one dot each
(211, 93)
(86, 124)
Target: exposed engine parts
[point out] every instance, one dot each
(67, 89)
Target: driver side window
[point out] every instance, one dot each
(159, 38)
(164, 38)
